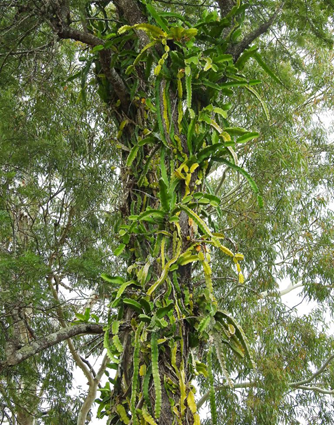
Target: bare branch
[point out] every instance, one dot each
(48, 341)
(206, 396)
(316, 389)
(92, 390)
(61, 319)
(312, 377)
(285, 291)
(103, 367)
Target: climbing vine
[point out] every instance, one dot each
(176, 128)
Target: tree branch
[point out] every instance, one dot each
(294, 385)
(316, 389)
(132, 13)
(75, 355)
(92, 390)
(237, 49)
(48, 341)
(60, 24)
(26, 52)
(288, 289)
(225, 7)
(206, 396)
(74, 34)
(312, 377)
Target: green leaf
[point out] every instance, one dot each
(192, 59)
(189, 90)
(144, 318)
(147, 140)
(202, 368)
(158, 101)
(187, 259)
(141, 54)
(116, 280)
(87, 313)
(236, 131)
(220, 111)
(151, 213)
(124, 28)
(190, 133)
(133, 304)
(122, 289)
(266, 68)
(163, 311)
(242, 171)
(97, 48)
(164, 195)
(146, 305)
(248, 136)
(234, 84)
(209, 151)
(132, 156)
(146, 385)
(81, 317)
(214, 200)
(263, 104)
(115, 327)
(164, 174)
(223, 58)
(221, 316)
(135, 363)
(213, 407)
(157, 17)
(122, 414)
(197, 219)
(118, 251)
(246, 55)
(151, 30)
(175, 15)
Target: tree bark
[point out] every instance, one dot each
(91, 395)
(24, 418)
(48, 341)
(225, 7)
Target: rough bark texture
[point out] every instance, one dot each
(225, 6)
(238, 48)
(48, 341)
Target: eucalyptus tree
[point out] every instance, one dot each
(57, 183)
(175, 83)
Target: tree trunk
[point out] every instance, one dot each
(24, 418)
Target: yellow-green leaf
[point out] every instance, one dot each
(122, 414)
(191, 402)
